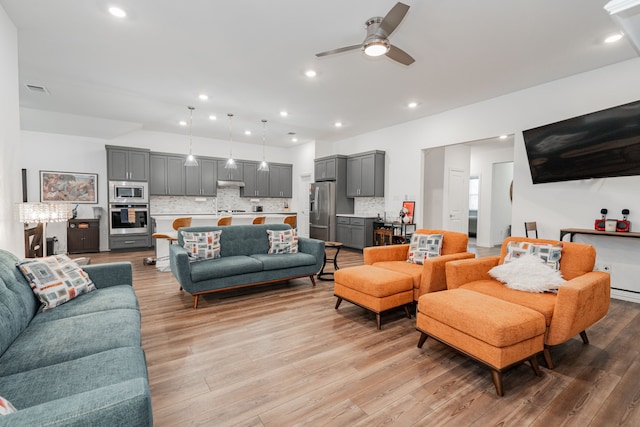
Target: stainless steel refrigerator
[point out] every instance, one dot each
(326, 200)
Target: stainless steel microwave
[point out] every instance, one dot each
(128, 192)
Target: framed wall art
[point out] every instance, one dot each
(68, 187)
(408, 208)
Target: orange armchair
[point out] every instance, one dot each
(580, 302)
(429, 277)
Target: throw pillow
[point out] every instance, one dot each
(283, 241)
(6, 407)
(549, 254)
(424, 246)
(528, 273)
(55, 279)
(202, 246)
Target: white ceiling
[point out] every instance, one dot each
(249, 56)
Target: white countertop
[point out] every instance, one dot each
(221, 214)
(357, 216)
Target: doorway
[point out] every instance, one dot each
(303, 204)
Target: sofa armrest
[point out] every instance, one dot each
(180, 266)
(469, 270)
(110, 274)
(581, 302)
(434, 274)
(313, 247)
(375, 254)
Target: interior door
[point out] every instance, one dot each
(303, 204)
(457, 197)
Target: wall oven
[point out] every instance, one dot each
(128, 192)
(128, 218)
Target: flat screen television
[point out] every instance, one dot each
(597, 145)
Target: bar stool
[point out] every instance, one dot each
(225, 220)
(259, 220)
(292, 220)
(170, 236)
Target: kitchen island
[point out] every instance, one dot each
(163, 224)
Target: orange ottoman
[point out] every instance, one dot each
(496, 333)
(373, 288)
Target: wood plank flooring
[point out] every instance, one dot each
(280, 355)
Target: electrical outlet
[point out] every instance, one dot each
(606, 268)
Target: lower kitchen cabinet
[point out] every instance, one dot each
(83, 235)
(132, 241)
(355, 232)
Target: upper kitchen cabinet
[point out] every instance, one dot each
(167, 175)
(365, 174)
(230, 174)
(280, 180)
(325, 169)
(201, 180)
(256, 183)
(127, 164)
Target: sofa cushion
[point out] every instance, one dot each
(528, 273)
(282, 241)
(203, 245)
(413, 270)
(280, 261)
(224, 267)
(111, 298)
(543, 303)
(55, 279)
(40, 385)
(61, 340)
(424, 246)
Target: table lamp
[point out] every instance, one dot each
(43, 213)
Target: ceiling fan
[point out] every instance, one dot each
(376, 43)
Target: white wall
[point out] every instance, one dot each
(501, 177)
(11, 231)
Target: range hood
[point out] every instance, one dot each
(227, 184)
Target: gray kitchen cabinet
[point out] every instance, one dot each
(230, 174)
(167, 175)
(280, 180)
(325, 169)
(256, 183)
(127, 164)
(365, 174)
(201, 180)
(355, 232)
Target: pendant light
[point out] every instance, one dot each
(231, 164)
(191, 160)
(264, 166)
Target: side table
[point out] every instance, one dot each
(330, 245)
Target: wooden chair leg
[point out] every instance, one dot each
(406, 310)
(313, 280)
(497, 381)
(195, 301)
(378, 321)
(533, 360)
(338, 302)
(423, 338)
(547, 357)
(585, 338)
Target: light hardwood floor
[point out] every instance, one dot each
(280, 355)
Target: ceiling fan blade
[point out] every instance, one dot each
(400, 56)
(339, 50)
(393, 18)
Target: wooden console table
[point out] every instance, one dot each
(573, 231)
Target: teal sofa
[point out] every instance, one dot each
(243, 260)
(78, 364)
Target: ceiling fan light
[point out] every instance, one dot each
(376, 48)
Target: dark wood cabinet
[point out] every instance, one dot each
(83, 235)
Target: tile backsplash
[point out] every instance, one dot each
(369, 206)
(228, 198)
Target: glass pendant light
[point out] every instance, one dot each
(191, 159)
(231, 164)
(264, 166)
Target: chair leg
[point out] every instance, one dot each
(497, 381)
(313, 280)
(338, 303)
(533, 360)
(195, 301)
(423, 338)
(378, 321)
(406, 310)
(547, 357)
(585, 338)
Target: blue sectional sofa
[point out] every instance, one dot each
(244, 260)
(78, 364)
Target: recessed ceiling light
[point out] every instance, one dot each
(294, 139)
(412, 104)
(284, 113)
(212, 117)
(247, 132)
(182, 123)
(613, 38)
(503, 136)
(117, 12)
(310, 73)
(338, 124)
(203, 96)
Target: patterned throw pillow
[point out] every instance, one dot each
(6, 407)
(55, 279)
(424, 246)
(549, 254)
(283, 241)
(202, 246)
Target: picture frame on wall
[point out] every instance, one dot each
(409, 209)
(70, 187)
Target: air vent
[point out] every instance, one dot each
(37, 89)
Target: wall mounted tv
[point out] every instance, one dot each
(597, 145)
